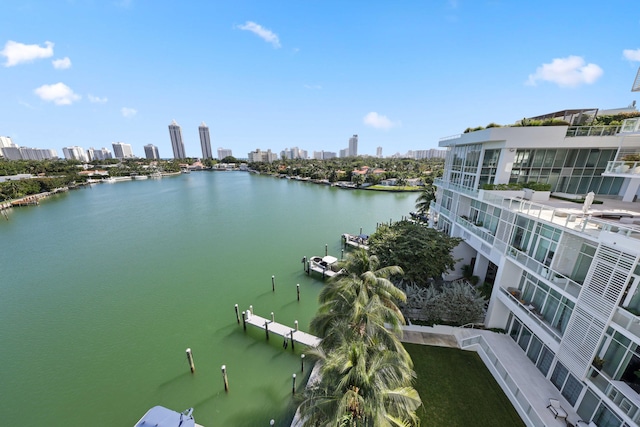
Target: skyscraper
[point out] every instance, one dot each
(151, 151)
(175, 132)
(353, 146)
(122, 150)
(379, 152)
(205, 141)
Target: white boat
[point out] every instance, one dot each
(327, 265)
(159, 416)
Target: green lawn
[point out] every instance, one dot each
(458, 390)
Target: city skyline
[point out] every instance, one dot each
(295, 75)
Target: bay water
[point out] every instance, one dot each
(103, 289)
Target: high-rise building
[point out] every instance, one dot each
(565, 270)
(100, 154)
(175, 132)
(353, 146)
(5, 142)
(205, 141)
(122, 150)
(224, 152)
(75, 153)
(344, 152)
(379, 152)
(262, 156)
(151, 152)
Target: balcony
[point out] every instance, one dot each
(532, 312)
(623, 169)
(619, 393)
(479, 231)
(560, 281)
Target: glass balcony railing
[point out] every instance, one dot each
(533, 313)
(479, 231)
(560, 281)
(626, 168)
(618, 392)
(592, 130)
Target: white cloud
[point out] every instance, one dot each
(315, 87)
(61, 64)
(59, 94)
(265, 34)
(128, 112)
(17, 53)
(379, 121)
(631, 55)
(567, 72)
(96, 99)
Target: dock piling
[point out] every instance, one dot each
(341, 255)
(293, 389)
(302, 363)
(266, 329)
(273, 317)
(244, 321)
(237, 315)
(292, 341)
(326, 250)
(190, 359)
(296, 323)
(224, 378)
(273, 283)
(298, 290)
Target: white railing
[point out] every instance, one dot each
(499, 372)
(535, 315)
(592, 130)
(627, 168)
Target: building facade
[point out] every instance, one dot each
(175, 132)
(122, 150)
(262, 156)
(353, 146)
(565, 272)
(151, 152)
(224, 152)
(75, 153)
(205, 141)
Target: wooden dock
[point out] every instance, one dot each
(271, 327)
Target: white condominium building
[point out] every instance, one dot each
(205, 141)
(122, 150)
(175, 132)
(564, 263)
(75, 153)
(151, 152)
(224, 152)
(262, 156)
(353, 146)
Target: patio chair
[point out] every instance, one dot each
(556, 409)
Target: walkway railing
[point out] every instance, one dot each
(592, 130)
(511, 389)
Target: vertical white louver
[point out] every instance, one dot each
(601, 293)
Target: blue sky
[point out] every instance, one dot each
(276, 74)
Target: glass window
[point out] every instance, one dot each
(544, 362)
(572, 389)
(559, 375)
(534, 349)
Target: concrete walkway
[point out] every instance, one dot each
(525, 386)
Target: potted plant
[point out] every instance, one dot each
(597, 363)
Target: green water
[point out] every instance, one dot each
(102, 290)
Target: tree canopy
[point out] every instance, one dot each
(422, 252)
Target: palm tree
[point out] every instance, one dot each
(366, 373)
(423, 201)
(361, 386)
